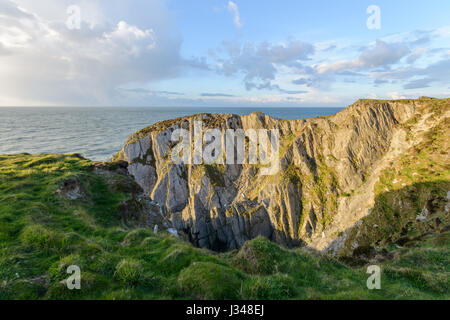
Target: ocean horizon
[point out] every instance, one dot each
(99, 132)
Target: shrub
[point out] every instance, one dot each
(258, 256)
(21, 289)
(275, 287)
(39, 237)
(180, 256)
(134, 237)
(129, 271)
(105, 263)
(89, 283)
(58, 271)
(206, 280)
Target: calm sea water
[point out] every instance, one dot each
(98, 133)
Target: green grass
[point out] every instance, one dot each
(207, 280)
(42, 233)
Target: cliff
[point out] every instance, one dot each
(370, 183)
(327, 182)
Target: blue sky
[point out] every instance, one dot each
(220, 52)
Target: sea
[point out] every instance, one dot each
(99, 132)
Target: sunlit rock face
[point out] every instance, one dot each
(312, 199)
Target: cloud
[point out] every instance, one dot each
(396, 95)
(377, 82)
(43, 62)
(259, 63)
(128, 36)
(419, 83)
(3, 50)
(382, 55)
(216, 95)
(416, 55)
(232, 7)
(317, 81)
(418, 77)
(300, 81)
(420, 41)
(197, 63)
(9, 10)
(268, 86)
(330, 48)
(147, 92)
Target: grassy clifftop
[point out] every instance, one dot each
(43, 231)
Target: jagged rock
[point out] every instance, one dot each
(311, 200)
(138, 210)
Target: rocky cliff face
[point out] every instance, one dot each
(329, 167)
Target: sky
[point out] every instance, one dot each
(220, 53)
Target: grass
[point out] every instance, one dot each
(207, 280)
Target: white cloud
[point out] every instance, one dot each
(260, 62)
(43, 62)
(416, 78)
(130, 37)
(232, 7)
(382, 55)
(416, 55)
(396, 95)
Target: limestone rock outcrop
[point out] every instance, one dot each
(311, 200)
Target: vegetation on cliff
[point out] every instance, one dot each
(413, 194)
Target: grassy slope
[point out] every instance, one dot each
(41, 234)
